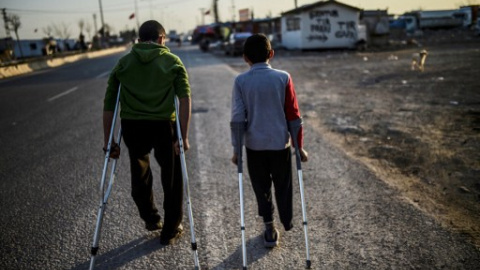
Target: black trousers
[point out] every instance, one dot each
(140, 137)
(265, 168)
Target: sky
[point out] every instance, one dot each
(181, 15)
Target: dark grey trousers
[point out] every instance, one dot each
(140, 137)
(265, 168)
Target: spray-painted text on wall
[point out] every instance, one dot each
(321, 26)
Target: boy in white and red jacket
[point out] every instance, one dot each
(265, 99)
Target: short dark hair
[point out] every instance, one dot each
(150, 31)
(257, 48)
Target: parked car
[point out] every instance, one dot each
(234, 44)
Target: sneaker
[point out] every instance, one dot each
(270, 236)
(153, 226)
(170, 238)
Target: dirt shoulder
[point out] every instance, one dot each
(418, 131)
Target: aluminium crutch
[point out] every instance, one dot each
(238, 129)
(105, 193)
(294, 128)
(185, 183)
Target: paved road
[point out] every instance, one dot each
(51, 162)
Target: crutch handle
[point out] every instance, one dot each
(238, 130)
(294, 127)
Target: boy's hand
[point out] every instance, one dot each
(303, 155)
(186, 146)
(235, 159)
(114, 150)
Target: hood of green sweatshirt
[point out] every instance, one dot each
(146, 52)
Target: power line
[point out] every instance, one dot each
(107, 9)
(63, 11)
(46, 11)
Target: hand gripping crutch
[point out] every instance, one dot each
(105, 194)
(294, 128)
(185, 183)
(238, 129)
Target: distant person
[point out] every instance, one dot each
(265, 98)
(150, 76)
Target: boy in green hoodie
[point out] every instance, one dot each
(150, 77)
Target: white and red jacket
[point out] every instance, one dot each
(265, 98)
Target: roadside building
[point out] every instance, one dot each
(377, 26)
(271, 27)
(267, 26)
(27, 48)
(321, 25)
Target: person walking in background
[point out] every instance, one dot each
(150, 77)
(265, 99)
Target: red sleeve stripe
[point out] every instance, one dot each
(292, 111)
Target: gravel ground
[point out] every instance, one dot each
(417, 131)
(359, 217)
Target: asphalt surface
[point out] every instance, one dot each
(51, 163)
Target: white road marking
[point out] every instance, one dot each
(63, 94)
(102, 75)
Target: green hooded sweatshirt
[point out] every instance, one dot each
(150, 76)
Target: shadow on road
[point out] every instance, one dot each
(120, 256)
(255, 251)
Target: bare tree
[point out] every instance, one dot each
(81, 37)
(48, 30)
(61, 30)
(81, 25)
(15, 21)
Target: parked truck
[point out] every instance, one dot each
(433, 19)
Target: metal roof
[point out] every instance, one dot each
(318, 4)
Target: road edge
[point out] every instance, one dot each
(19, 69)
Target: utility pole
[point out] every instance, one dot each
(215, 11)
(9, 45)
(136, 14)
(5, 21)
(102, 28)
(95, 23)
(233, 11)
(296, 5)
(99, 42)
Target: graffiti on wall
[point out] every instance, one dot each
(323, 13)
(321, 26)
(320, 30)
(347, 30)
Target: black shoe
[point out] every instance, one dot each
(169, 238)
(153, 226)
(270, 236)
